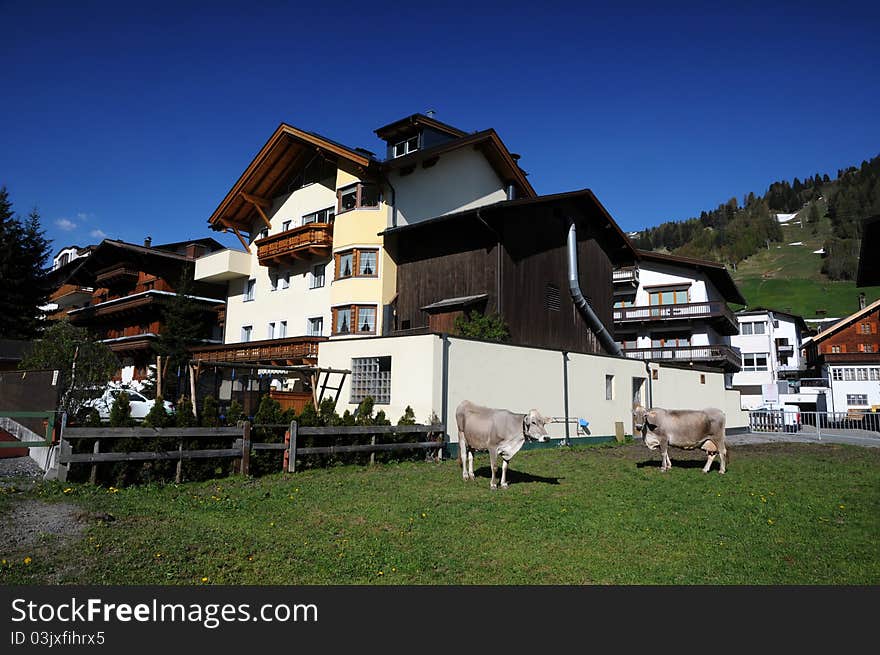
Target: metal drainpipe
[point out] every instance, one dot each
(498, 277)
(393, 202)
(596, 325)
(565, 394)
(649, 396)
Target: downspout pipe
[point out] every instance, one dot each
(608, 343)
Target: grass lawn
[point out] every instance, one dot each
(784, 514)
(789, 278)
(804, 297)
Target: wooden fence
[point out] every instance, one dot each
(360, 431)
(242, 444)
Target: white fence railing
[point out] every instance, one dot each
(816, 423)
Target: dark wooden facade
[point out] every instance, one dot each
(854, 339)
(514, 252)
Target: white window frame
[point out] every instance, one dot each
(250, 290)
(314, 279)
(753, 357)
(311, 324)
(408, 147)
(247, 332)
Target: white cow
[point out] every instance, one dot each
(497, 430)
(683, 428)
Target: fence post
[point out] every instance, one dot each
(245, 468)
(178, 473)
(64, 451)
(93, 475)
(372, 452)
(291, 450)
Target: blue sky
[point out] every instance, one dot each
(131, 120)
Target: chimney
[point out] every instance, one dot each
(862, 300)
(148, 241)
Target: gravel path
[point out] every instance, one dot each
(28, 522)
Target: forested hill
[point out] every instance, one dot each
(736, 230)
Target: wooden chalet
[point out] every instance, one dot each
(510, 258)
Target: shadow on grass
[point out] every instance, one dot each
(680, 464)
(513, 476)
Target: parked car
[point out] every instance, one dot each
(140, 404)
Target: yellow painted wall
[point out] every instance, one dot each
(359, 227)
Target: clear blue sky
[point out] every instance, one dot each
(134, 119)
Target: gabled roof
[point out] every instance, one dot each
(717, 273)
(107, 253)
(288, 149)
(391, 131)
(845, 322)
(489, 143)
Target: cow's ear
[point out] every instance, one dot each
(651, 417)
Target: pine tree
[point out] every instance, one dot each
(24, 252)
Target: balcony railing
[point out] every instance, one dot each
(711, 310)
(286, 351)
(842, 358)
(628, 275)
(311, 241)
(116, 274)
(722, 355)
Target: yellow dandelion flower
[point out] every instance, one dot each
(205, 579)
(424, 515)
(381, 573)
(3, 563)
(770, 521)
(68, 490)
(27, 560)
(842, 506)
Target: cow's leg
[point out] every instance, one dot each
(709, 461)
(722, 457)
(471, 465)
(463, 456)
(493, 456)
(503, 473)
(665, 462)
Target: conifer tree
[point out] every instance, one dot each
(24, 252)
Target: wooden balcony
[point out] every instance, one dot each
(116, 275)
(721, 356)
(625, 279)
(312, 241)
(847, 358)
(290, 351)
(714, 312)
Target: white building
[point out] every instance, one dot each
(674, 309)
(770, 342)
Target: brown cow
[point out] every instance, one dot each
(683, 428)
(497, 430)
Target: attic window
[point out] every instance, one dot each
(405, 147)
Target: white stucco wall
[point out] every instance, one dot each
(784, 328)
(519, 379)
(460, 180)
(298, 302)
(700, 289)
(839, 389)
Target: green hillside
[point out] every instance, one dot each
(789, 278)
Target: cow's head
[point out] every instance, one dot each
(643, 418)
(533, 426)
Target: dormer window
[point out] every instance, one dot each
(405, 147)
